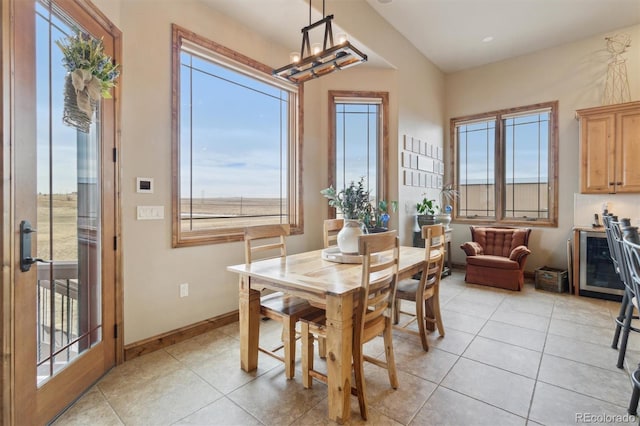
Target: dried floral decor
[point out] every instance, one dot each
(91, 75)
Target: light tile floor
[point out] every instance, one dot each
(508, 358)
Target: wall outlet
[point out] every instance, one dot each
(184, 290)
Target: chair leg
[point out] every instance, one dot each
(625, 335)
(635, 396)
(435, 303)
(396, 311)
(358, 367)
(422, 322)
(620, 319)
(307, 355)
(388, 349)
(289, 341)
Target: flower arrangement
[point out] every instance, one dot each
(91, 76)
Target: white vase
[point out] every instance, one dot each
(348, 236)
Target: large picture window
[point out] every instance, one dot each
(505, 165)
(235, 144)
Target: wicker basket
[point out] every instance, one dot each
(72, 115)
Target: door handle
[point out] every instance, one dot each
(26, 260)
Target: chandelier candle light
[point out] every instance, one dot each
(321, 59)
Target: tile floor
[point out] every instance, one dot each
(508, 358)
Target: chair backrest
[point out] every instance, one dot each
(631, 251)
(500, 241)
(254, 242)
(606, 220)
(330, 231)
(433, 236)
(619, 257)
(379, 279)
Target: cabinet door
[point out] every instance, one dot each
(597, 154)
(628, 151)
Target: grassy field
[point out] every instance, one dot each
(206, 213)
(64, 210)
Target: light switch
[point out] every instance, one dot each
(150, 212)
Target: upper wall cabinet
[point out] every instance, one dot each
(610, 148)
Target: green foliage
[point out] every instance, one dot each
(427, 206)
(354, 202)
(83, 52)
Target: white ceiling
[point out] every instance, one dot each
(450, 32)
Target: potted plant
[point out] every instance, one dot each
(355, 205)
(377, 218)
(426, 212)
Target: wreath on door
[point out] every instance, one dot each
(91, 75)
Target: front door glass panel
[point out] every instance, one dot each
(69, 315)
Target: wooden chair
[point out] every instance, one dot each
(278, 306)
(330, 230)
(373, 308)
(426, 291)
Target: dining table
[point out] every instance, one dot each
(327, 284)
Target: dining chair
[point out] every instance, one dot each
(615, 230)
(372, 314)
(631, 251)
(331, 228)
(264, 242)
(424, 292)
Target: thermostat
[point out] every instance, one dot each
(144, 185)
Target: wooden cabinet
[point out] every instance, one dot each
(610, 148)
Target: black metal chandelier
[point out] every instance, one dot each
(320, 59)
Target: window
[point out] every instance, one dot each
(358, 123)
(505, 165)
(235, 144)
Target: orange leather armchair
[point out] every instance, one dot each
(496, 256)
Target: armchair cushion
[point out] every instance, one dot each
(495, 262)
(518, 252)
(472, 248)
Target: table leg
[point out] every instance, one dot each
(339, 354)
(249, 325)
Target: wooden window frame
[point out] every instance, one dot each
(383, 153)
(182, 238)
(500, 193)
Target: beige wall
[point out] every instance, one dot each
(152, 269)
(574, 74)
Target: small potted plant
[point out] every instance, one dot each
(355, 205)
(377, 218)
(426, 212)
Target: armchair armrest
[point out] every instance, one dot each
(519, 254)
(471, 248)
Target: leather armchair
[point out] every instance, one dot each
(496, 256)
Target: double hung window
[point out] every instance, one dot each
(505, 165)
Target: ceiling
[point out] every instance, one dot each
(450, 33)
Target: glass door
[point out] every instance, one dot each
(65, 200)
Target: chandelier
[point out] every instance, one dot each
(320, 59)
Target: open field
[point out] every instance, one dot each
(64, 210)
(205, 213)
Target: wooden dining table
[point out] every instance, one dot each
(323, 283)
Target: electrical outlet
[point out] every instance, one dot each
(184, 290)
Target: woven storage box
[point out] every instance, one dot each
(551, 279)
